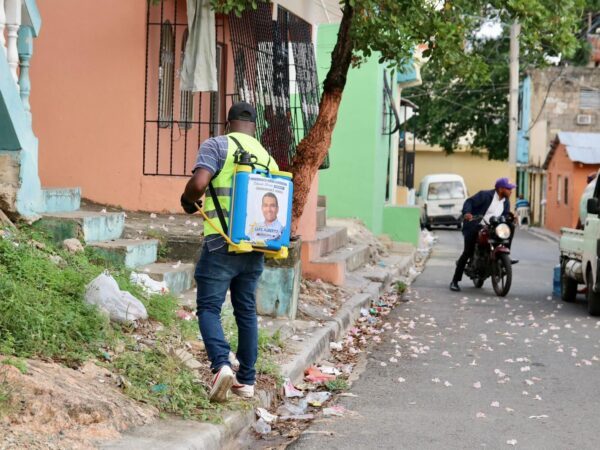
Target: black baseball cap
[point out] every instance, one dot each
(242, 111)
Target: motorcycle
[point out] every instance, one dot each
(492, 256)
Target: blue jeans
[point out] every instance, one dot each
(216, 272)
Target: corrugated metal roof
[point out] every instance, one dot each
(581, 147)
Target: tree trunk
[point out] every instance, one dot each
(312, 150)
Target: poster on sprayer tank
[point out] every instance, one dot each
(267, 208)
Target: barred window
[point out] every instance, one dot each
(165, 75)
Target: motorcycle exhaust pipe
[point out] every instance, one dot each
(574, 269)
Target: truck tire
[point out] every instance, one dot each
(568, 286)
(593, 298)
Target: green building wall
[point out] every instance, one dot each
(356, 181)
(355, 184)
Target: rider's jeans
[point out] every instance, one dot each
(470, 235)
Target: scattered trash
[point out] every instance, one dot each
(290, 391)
(298, 417)
(337, 411)
(261, 427)
(73, 245)
(148, 284)
(289, 409)
(266, 415)
(120, 305)
(185, 315)
(328, 370)
(159, 388)
(336, 346)
(318, 398)
(314, 375)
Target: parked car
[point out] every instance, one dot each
(441, 197)
(580, 252)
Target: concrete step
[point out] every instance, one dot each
(333, 267)
(131, 253)
(61, 199)
(91, 226)
(178, 277)
(321, 217)
(322, 201)
(327, 240)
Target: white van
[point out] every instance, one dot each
(441, 197)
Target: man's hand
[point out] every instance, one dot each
(468, 217)
(189, 206)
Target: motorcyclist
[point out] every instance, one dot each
(487, 203)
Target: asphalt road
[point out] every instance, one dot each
(477, 371)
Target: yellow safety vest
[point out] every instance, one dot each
(223, 182)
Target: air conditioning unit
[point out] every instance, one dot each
(584, 119)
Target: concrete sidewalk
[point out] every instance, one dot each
(366, 284)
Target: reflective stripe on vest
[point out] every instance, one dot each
(223, 182)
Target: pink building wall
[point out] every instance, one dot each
(88, 75)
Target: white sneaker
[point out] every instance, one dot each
(243, 390)
(222, 382)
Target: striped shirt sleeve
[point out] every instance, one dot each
(212, 154)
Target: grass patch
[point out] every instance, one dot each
(401, 287)
(41, 309)
(157, 378)
(339, 384)
(163, 246)
(265, 364)
(16, 362)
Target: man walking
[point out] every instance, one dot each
(218, 270)
(492, 203)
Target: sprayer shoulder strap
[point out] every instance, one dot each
(239, 147)
(218, 208)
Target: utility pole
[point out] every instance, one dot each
(513, 103)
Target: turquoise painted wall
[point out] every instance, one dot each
(355, 183)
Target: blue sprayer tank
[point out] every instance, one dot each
(261, 209)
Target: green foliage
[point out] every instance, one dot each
(265, 363)
(235, 6)
(41, 308)
(6, 394)
(16, 362)
(393, 28)
(155, 377)
(339, 384)
(451, 108)
(401, 287)
(163, 245)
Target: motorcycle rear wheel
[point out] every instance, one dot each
(502, 275)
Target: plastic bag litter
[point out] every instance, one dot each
(289, 409)
(318, 398)
(337, 411)
(289, 390)
(149, 285)
(261, 427)
(266, 415)
(120, 305)
(298, 417)
(328, 370)
(336, 346)
(314, 375)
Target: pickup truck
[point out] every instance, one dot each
(580, 252)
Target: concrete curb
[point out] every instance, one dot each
(177, 434)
